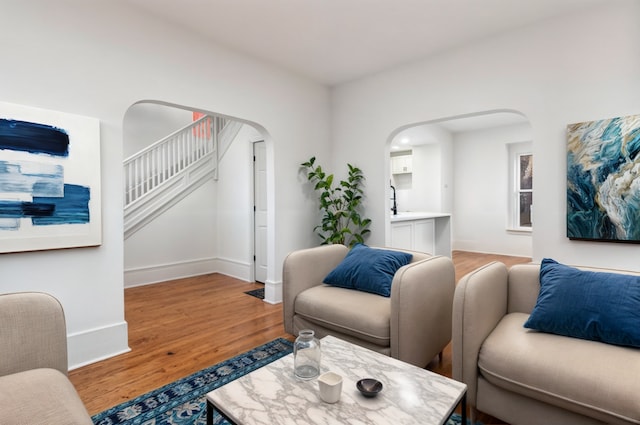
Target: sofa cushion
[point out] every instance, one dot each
(368, 269)
(40, 396)
(587, 377)
(585, 304)
(352, 312)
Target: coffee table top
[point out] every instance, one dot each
(272, 394)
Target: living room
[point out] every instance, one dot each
(102, 58)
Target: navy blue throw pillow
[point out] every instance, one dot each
(590, 305)
(368, 269)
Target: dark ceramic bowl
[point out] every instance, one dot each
(369, 387)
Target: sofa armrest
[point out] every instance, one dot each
(305, 269)
(41, 396)
(33, 333)
(480, 302)
(421, 304)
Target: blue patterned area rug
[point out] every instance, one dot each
(183, 402)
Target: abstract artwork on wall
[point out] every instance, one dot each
(49, 179)
(603, 180)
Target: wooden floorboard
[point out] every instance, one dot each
(179, 327)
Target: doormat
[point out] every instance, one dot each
(258, 293)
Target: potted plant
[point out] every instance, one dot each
(340, 205)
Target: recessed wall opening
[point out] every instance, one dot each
(465, 168)
(203, 221)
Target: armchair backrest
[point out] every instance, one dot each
(523, 288)
(32, 333)
(304, 269)
(417, 255)
(524, 285)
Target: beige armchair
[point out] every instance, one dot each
(34, 388)
(413, 324)
(527, 377)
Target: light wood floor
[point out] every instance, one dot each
(179, 327)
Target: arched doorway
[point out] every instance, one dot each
(211, 228)
(464, 167)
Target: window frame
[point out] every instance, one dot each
(516, 152)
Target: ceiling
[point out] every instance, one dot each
(335, 41)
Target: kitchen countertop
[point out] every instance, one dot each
(416, 215)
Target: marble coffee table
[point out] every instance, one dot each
(272, 395)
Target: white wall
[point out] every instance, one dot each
(179, 243)
(429, 187)
(481, 191)
(146, 123)
(98, 59)
(575, 68)
(420, 190)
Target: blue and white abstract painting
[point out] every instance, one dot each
(603, 180)
(49, 179)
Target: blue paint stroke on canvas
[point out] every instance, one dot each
(603, 180)
(24, 209)
(33, 178)
(33, 137)
(72, 208)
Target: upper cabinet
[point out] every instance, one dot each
(401, 164)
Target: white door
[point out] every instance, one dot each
(260, 211)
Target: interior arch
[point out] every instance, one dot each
(461, 167)
(212, 228)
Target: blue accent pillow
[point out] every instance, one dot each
(590, 305)
(368, 269)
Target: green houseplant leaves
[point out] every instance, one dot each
(340, 205)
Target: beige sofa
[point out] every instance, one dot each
(528, 377)
(413, 324)
(34, 388)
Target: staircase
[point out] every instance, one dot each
(159, 176)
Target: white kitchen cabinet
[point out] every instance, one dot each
(401, 164)
(402, 235)
(430, 233)
(416, 235)
(424, 236)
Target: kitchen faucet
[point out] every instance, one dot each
(394, 208)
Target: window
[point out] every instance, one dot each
(521, 187)
(525, 189)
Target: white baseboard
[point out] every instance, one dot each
(169, 271)
(512, 252)
(90, 346)
(163, 272)
(272, 292)
(234, 268)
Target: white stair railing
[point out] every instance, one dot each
(166, 172)
(153, 166)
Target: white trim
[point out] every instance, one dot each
(524, 230)
(97, 344)
(234, 268)
(181, 269)
(272, 292)
(169, 271)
